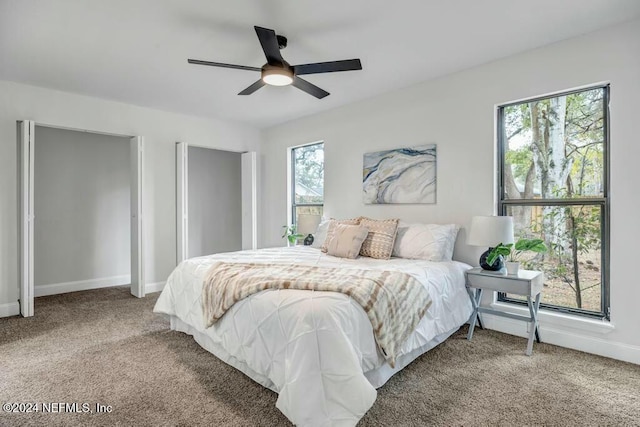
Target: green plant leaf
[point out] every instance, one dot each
(533, 245)
(499, 250)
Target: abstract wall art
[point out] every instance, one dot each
(401, 175)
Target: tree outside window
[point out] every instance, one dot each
(553, 181)
(307, 168)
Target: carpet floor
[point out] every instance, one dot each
(107, 347)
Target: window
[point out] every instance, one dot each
(553, 180)
(307, 180)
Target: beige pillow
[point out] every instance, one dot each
(346, 240)
(332, 225)
(382, 234)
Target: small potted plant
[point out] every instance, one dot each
(291, 234)
(513, 252)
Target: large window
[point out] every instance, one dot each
(553, 180)
(307, 180)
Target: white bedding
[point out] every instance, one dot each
(315, 349)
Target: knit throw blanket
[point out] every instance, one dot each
(393, 301)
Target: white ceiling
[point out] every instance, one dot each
(136, 51)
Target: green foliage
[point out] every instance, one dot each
(514, 251)
(309, 171)
(500, 250)
(291, 234)
(520, 160)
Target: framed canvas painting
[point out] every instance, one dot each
(401, 175)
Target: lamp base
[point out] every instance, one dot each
(308, 241)
(497, 265)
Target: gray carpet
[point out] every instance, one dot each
(107, 347)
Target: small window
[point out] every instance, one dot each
(307, 180)
(553, 180)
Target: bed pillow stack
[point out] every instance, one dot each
(431, 242)
(388, 237)
(379, 241)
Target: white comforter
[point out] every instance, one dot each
(313, 348)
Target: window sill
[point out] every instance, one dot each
(548, 317)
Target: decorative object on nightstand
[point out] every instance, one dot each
(291, 234)
(527, 283)
(489, 231)
(513, 252)
(307, 225)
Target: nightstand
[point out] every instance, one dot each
(527, 283)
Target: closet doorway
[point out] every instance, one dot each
(216, 201)
(80, 211)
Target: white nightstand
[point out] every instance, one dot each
(527, 283)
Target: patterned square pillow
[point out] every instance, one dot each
(347, 240)
(382, 234)
(332, 225)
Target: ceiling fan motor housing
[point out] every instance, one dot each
(282, 41)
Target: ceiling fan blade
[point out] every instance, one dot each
(311, 89)
(328, 67)
(220, 64)
(254, 87)
(270, 45)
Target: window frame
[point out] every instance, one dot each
(292, 177)
(603, 202)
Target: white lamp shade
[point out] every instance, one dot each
(308, 223)
(488, 231)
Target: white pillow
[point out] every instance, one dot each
(431, 242)
(320, 235)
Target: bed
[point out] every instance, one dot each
(315, 349)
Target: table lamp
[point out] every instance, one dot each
(489, 231)
(307, 225)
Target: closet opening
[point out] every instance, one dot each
(216, 201)
(80, 211)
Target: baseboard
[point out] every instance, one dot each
(9, 309)
(81, 285)
(565, 338)
(153, 287)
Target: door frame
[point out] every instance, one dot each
(249, 198)
(26, 217)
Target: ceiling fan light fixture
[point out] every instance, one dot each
(277, 76)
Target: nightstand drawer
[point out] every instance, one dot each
(523, 284)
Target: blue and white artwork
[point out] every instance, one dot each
(402, 175)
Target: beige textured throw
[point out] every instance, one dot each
(394, 301)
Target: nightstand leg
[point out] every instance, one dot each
(537, 306)
(475, 303)
(533, 311)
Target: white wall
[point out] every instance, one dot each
(215, 201)
(160, 129)
(82, 206)
(457, 113)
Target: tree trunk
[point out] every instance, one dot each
(521, 214)
(576, 265)
(548, 132)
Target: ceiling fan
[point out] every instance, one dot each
(278, 72)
